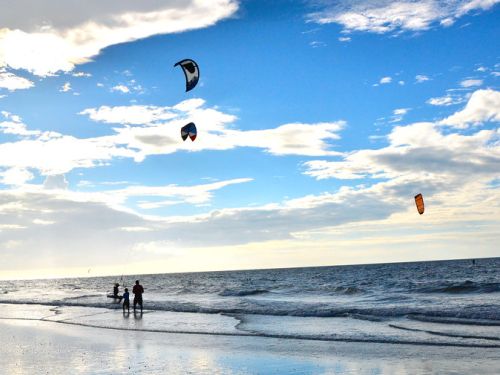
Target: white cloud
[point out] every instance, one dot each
(189, 105)
(81, 74)
(344, 39)
(16, 176)
(401, 83)
(157, 204)
(446, 100)
(385, 16)
(423, 152)
(156, 137)
(54, 37)
(10, 116)
(398, 114)
(447, 22)
(401, 111)
(150, 130)
(385, 80)
(121, 88)
(135, 114)
(66, 87)
(471, 82)
(12, 82)
(361, 217)
(316, 44)
(421, 78)
(177, 194)
(15, 126)
(55, 182)
(99, 231)
(290, 139)
(149, 197)
(483, 105)
(419, 153)
(43, 222)
(53, 153)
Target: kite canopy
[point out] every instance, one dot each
(191, 71)
(419, 201)
(189, 130)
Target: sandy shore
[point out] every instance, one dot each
(45, 347)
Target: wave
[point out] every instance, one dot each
(348, 290)
(272, 335)
(82, 296)
(69, 286)
(449, 320)
(490, 316)
(369, 318)
(242, 293)
(467, 286)
(446, 334)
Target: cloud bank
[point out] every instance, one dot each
(53, 36)
(386, 16)
(455, 171)
(142, 131)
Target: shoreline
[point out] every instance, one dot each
(37, 347)
(235, 325)
(261, 335)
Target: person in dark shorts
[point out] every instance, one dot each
(126, 300)
(138, 290)
(115, 290)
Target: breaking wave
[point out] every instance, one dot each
(242, 293)
(467, 286)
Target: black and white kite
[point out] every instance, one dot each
(191, 71)
(189, 130)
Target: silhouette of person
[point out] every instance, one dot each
(115, 290)
(126, 300)
(138, 290)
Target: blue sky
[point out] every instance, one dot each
(317, 124)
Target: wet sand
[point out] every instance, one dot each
(47, 347)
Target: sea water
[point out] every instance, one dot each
(454, 303)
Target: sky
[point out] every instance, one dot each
(318, 122)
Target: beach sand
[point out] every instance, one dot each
(34, 346)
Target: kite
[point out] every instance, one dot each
(189, 130)
(191, 71)
(419, 201)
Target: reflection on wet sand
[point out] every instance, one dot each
(49, 347)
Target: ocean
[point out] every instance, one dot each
(451, 303)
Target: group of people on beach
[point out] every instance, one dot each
(138, 290)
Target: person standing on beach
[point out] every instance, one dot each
(138, 290)
(126, 300)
